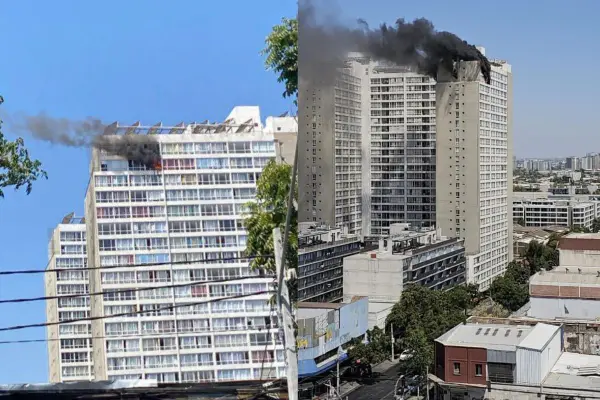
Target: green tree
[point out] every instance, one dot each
(422, 350)
(517, 272)
(281, 50)
(267, 212)
(17, 169)
(538, 256)
(430, 310)
(375, 351)
(510, 293)
(596, 225)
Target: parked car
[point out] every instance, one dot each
(406, 354)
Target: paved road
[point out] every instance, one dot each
(382, 390)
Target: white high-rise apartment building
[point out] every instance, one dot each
(402, 147)
(368, 160)
(474, 166)
(330, 152)
(183, 221)
(69, 345)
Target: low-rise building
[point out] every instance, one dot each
(422, 256)
(579, 250)
(498, 362)
(565, 293)
(541, 212)
(323, 328)
(523, 236)
(321, 251)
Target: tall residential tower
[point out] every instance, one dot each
(474, 165)
(174, 237)
(69, 344)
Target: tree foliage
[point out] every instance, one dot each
(267, 212)
(281, 50)
(422, 315)
(538, 256)
(17, 169)
(378, 349)
(512, 289)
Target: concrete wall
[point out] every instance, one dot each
(52, 311)
(378, 279)
(96, 302)
(552, 308)
(579, 258)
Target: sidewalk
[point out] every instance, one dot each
(384, 366)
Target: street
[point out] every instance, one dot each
(381, 390)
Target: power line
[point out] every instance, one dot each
(204, 262)
(131, 336)
(167, 307)
(137, 289)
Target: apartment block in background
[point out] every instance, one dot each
(69, 345)
(474, 165)
(321, 252)
(285, 133)
(330, 164)
(570, 212)
(174, 223)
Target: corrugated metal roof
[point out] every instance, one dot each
(490, 336)
(539, 336)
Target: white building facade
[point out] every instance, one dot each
(474, 166)
(170, 226)
(402, 148)
(69, 344)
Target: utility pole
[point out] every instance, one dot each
(284, 307)
(427, 380)
(338, 369)
(392, 338)
(284, 303)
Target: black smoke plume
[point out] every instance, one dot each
(324, 45)
(89, 133)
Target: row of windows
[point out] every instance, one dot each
(194, 242)
(190, 326)
(179, 275)
(191, 163)
(218, 147)
(203, 290)
(174, 195)
(162, 310)
(206, 257)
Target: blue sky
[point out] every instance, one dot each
(554, 51)
(170, 61)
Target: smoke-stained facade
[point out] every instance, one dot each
(330, 151)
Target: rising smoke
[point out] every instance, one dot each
(324, 45)
(88, 133)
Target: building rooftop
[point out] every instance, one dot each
(497, 336)
(574, 370)
(328, 306)
(580, 242)
(568, 276)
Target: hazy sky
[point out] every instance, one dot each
(554, 50)
(170, 61)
